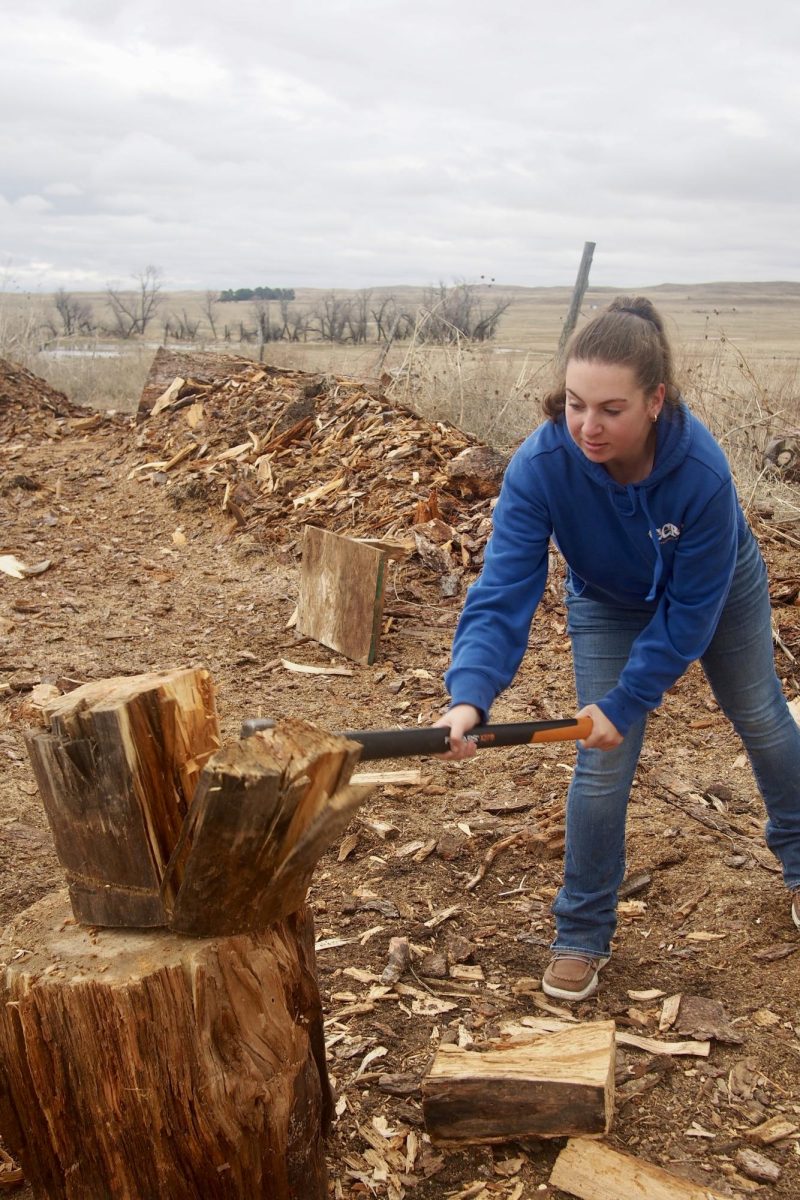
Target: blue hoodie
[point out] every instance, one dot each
(667, 544)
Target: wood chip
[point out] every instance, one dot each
(653, 1046)
(669, 1012)
(757, 1166)
(443, 915)
(773, 1130)
(347, 847)
(467, 973)
(307, 669)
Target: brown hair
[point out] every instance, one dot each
(630, 332)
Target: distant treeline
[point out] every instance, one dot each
(259, 293)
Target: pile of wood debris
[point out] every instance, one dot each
(279, 449)
(30, 409)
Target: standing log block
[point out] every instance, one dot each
(554, 1086)
(341, 593)
(135, 1064)
(265, 810)
(117, 769)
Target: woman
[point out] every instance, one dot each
(663, 570)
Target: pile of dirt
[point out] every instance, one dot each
(29, 407)
(278, 449)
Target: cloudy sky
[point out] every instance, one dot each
(351, 143)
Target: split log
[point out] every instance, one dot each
(117, 769)
(554, 1086)
(138, 1064)
(341, 594)
(592, 1171)
(265, 810)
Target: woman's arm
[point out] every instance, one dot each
(492, 632)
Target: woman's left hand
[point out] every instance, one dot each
(604, 735)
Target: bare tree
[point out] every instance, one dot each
(392, 323)
(358, 317)
(134, 310)
(450, 314)
(211, 298)
(294, 322)
(76, 315)
(181, 326)
(331, 315)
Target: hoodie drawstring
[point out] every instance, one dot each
(658, 570)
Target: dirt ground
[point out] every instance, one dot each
(135, 583)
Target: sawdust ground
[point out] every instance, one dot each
(122, 597)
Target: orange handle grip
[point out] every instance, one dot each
(581, 727)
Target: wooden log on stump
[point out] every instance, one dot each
(117, 769)
(138, 1064)
(554, 1086)
(265, 810)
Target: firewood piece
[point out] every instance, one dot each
(553, 1086)
(412, 778)
(593, 1171)
(136, 1064)
(117, 770)
(341, 594)
(265, 810)
(757, 1166)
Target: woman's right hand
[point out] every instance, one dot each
(459, 720)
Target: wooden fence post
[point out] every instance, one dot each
(581, 283)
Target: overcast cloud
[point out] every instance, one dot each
(351, 143)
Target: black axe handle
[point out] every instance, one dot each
(405, 743)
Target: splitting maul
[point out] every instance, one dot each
(405, 743)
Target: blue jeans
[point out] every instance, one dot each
(740, 666)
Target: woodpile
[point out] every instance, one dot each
(31, 410)
(277, 449)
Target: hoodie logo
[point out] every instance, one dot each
(668, 533)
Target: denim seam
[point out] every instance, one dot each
(580, 950)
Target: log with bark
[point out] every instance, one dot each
(553, 1086)
(141, 1064)
(117, 768)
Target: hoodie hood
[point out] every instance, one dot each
(673, 436)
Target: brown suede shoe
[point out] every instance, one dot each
(796, 907)
(571, 976)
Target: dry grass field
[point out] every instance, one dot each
(737, 345)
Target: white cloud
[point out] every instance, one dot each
(360, 141)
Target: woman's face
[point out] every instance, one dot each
(611, 419)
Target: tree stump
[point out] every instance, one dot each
(139, 1064)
